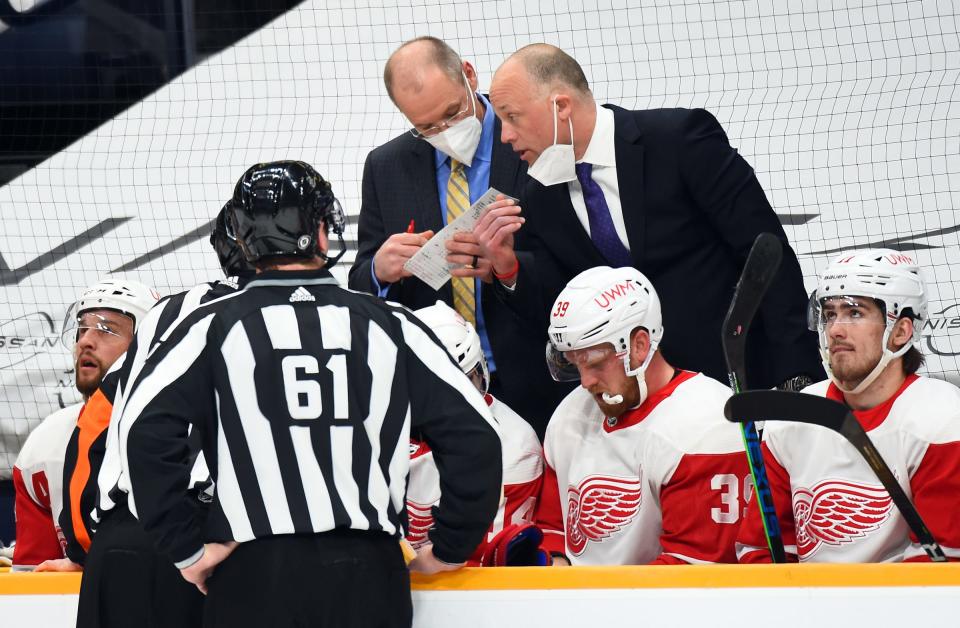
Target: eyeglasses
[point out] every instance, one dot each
(440, 127)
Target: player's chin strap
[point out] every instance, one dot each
(885, 359)
(330, 261)
(638, 373)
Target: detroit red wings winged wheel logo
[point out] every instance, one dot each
(419, 522)
(600, 507)
(837, 511)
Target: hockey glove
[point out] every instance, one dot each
(517, 545)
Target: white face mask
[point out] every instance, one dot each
(459, 141)
(556, 164)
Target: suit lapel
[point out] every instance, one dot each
(557, 222)
(629, 150)
(505, 165)
(421, 171)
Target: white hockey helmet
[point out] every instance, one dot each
(603, 305)
(459, 338)
(126, 296)
(892, 279)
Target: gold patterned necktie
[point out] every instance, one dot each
(458, 200)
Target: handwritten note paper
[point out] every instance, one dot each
(430, 264)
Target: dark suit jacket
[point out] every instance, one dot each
(400, 184)
(692, 208)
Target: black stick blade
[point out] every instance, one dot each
(780, 405)
(758, 272)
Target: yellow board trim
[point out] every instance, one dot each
(21, 583)
(693, 577)
(659, 577)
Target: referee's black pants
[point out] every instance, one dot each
(127, 583)
(8, 527)
(342, 578)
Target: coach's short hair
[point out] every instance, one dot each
(440, 55)
(548, 65)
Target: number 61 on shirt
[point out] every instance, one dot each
(305, 395)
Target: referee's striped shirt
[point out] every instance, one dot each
(305, 395)
(113, 485)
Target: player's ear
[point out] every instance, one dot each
(901, 333)
(639, 346)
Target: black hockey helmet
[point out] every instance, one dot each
(224, 243)
(278, 207)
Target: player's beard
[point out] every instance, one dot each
(87, 384)
(852, 367)
(631, 396)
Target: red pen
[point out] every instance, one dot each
(411, 226)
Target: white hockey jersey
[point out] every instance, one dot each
(831, 506)
(664, 483)
(38, 483)
(522, 476)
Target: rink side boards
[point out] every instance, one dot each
(715, 595)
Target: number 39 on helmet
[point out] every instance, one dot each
(599, 306)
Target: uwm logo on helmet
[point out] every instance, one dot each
(600, 507)
(836, 512)
(611, 294)
(900, 258)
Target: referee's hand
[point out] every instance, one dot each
(427, 563)
(59, 564)
(213, 555)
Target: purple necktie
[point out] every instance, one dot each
(602, 231)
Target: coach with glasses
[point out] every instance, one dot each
(417, 182)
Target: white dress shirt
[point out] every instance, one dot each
(602, 154)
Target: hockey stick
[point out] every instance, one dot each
(757, 274)
(779, 405)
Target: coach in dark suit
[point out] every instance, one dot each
(414, 183)
(661, 190)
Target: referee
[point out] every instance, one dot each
(125, 581)
(304, 394)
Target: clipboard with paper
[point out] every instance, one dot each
(430, 264)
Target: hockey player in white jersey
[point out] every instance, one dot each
(868, 309)
(37, 483)
(642, 467)
(511, 538)
(98, 329)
